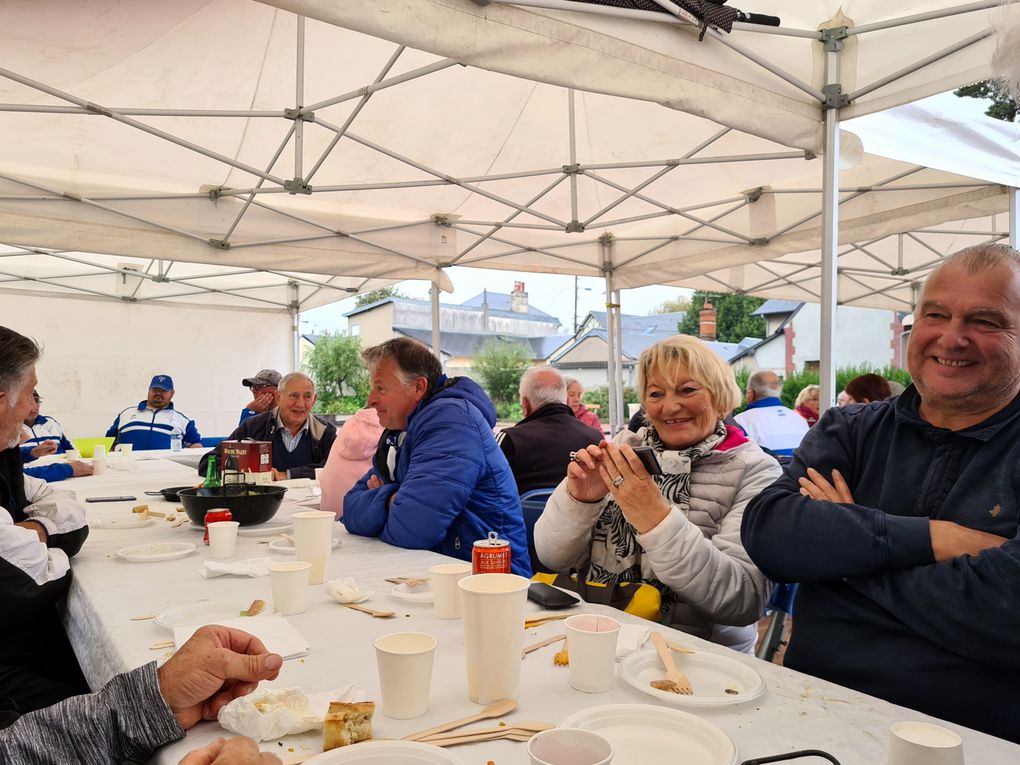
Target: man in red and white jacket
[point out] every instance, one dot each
(40, 529)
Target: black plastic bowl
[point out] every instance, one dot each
(249, 505)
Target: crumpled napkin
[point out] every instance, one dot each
(346, 591)
(252, 567)
(270, 713)
(630, 638)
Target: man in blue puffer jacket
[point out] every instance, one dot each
(438, 480)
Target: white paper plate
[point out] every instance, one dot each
(286, 547)
(134, 521)
(267, 529)
(713, 677)
(204, 612)
(643, 734)
(422, 594)
(157, 551)
(386, 753)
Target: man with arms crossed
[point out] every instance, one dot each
(899, 518)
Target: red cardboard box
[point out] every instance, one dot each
(254, 459)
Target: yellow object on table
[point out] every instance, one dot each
(86, 445)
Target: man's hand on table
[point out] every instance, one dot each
(35, 526)
(951, 540)
(216, 666)
(46, 447)
(234, 751)
(79, 468)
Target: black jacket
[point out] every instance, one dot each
(538, 447)
(262, 427)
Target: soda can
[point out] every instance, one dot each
(212, 516)
(490, 555)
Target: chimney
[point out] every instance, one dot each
(519, 298)
(707, 319)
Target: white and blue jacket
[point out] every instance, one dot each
(151, 429)
(45, 429)
(773, 426)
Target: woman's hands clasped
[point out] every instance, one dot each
(618, 470)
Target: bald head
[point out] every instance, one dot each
(541, 386)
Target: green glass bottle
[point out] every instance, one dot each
(212, 475)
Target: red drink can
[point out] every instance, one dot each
(490, 555)
(212, 516)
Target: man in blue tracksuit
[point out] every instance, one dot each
(899, 518)
(41, 436)
(154, 422)
(438, 481)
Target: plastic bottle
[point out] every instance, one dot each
(176, 442)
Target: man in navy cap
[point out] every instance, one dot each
(154, 422)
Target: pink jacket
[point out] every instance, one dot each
(588, 417)
(349, 459)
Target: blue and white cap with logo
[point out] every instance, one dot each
(163, 382)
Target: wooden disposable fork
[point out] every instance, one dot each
(676, 681)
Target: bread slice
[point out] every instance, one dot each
(347, 724)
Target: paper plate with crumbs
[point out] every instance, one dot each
(643, 734)
(717, 680)
(153, 553)
(385, 753)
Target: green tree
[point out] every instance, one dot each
(376, 295)
(499, 366)
(674, 305)
(1003, 107)
(733, 316)
(341, 379)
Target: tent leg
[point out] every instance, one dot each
(1014, 210)
(436, 347)
(295, 324)
(830, 220)
(612, 336)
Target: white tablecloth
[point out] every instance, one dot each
(796, 711)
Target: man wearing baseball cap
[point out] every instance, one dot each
(265, 395)
(154, 422)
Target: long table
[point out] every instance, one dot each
(796, 712)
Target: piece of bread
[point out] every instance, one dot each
(347, 724)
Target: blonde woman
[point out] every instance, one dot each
(679, 531)
(574, 392)
(807, 404)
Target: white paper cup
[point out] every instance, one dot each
(98, 465)
(920, 743)
(290, 586)
(493, 608)
(405, 673)
(313, 540)
(223, 538)
(591, 641)
(569, 746)
(318, 474)
(445, 593)
(99, 451)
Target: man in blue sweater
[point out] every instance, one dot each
(438, 481)
(899, 518)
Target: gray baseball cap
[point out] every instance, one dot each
(264, 377)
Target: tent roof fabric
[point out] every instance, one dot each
(182, 132)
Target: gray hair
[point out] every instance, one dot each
(411, 359)
(568, 381)
(762, 389)
(17, 355)
(543, 385)
(981, 257)
(287, 379)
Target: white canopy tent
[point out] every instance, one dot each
(230, 133)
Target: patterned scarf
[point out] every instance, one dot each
(615, 552)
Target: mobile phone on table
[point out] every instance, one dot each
(550, 597)
(647, 456)
(110, 499)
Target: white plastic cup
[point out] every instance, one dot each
(223, 538)
(290, 586)
(98, 464)
(445, 593)
(493, 609)
(313, 540)
(591, 641)
(405, 673)
(569, 746)
(921, 743)
(318, 474)
(99, 451)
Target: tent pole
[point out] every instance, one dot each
(830, 216)
(612, 349)
(436, 347)
(299, 97)
(1014, 201)
(621, 413)
(295, 323)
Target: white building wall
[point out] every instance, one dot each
(771, 356)
(99, 356)
(863, 336)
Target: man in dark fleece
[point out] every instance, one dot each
(899, 519)
(439, 481)
(40, 529)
